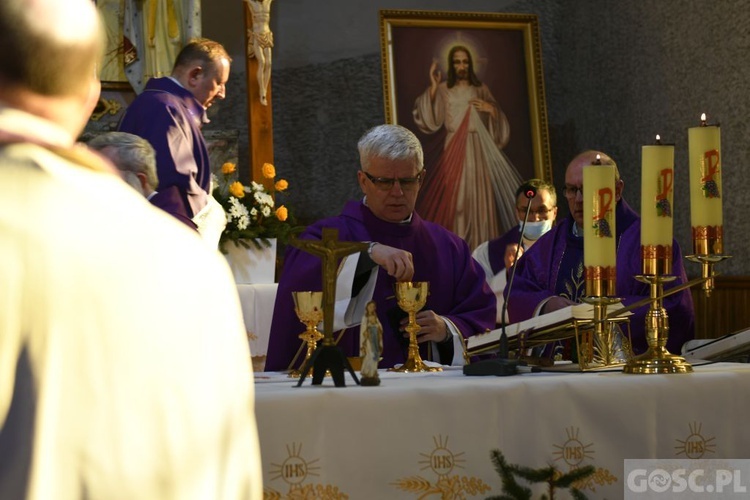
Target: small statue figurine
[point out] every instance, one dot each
(371, 345)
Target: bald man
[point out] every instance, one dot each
(550, 274)
(114, 381)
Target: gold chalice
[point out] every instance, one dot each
(309, 309)
(412, 297)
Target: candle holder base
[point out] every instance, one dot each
(657, 360)
(707, 263)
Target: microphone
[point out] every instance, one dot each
(530, 194)
(501, 366)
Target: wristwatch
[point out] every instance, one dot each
(369, 248)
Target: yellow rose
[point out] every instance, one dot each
(281, 185)
(237, 190)
(228, 168)
(282, 213)
(269, 172)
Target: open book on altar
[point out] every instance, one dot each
(539, 330)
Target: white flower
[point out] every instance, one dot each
(264, 199)
(254, 212)
(237, 210)
(266, 211)
(257, 187)
(243, 222)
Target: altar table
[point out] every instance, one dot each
(257, 303)
(430, 435)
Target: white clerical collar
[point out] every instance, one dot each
(405, 221)
(176, 81)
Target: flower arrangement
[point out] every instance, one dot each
(252, 214)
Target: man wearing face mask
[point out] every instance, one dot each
(497, 256)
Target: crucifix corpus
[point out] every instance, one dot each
(328, 356)
(259, 45)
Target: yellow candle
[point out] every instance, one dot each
(657, 194)
(599, 228)
(704, 146)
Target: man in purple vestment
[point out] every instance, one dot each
(404, 247)
(169, 114)
(497, 256)
(550, 275)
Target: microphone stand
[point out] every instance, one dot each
(502, 366)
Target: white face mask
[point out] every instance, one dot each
(535, 230)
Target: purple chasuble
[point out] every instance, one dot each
(555, 263)
(170, 201)
(458, 290)
(170, 118)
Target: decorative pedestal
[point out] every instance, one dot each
(252, 265)
(657, 359)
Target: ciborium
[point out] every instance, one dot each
(411, 297)
(309, 309)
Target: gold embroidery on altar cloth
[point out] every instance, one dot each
(295, 471)
(574, 453)
(696, 445)
(442, 462)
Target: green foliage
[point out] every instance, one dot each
(554, 479)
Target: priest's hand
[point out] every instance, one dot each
(397, 263)
(555, 303)
(433, 327)
(510, 254)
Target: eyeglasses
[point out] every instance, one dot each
(542, 211)
(572, 191)
(386, 183)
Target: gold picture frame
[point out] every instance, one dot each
(505, 56)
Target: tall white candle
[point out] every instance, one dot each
(657, 193)
(706, 218)
(599, 230)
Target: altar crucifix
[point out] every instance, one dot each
(259, 47)
(328, 356)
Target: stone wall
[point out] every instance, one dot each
(616, 73)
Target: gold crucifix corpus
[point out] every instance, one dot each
(331, 251)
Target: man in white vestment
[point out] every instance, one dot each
(498, 255)
(121, 375)
(471, 190)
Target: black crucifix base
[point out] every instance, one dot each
(327, 358)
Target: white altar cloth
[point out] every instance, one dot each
(257, 309)
(417, 433)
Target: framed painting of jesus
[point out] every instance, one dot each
(470, 86)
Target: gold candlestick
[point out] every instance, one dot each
(657, 359)
(309, 309)
(412, 297)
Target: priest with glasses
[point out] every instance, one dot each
(403, 247)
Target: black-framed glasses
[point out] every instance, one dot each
(543, 212)
(386, 183)
(572, 191)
